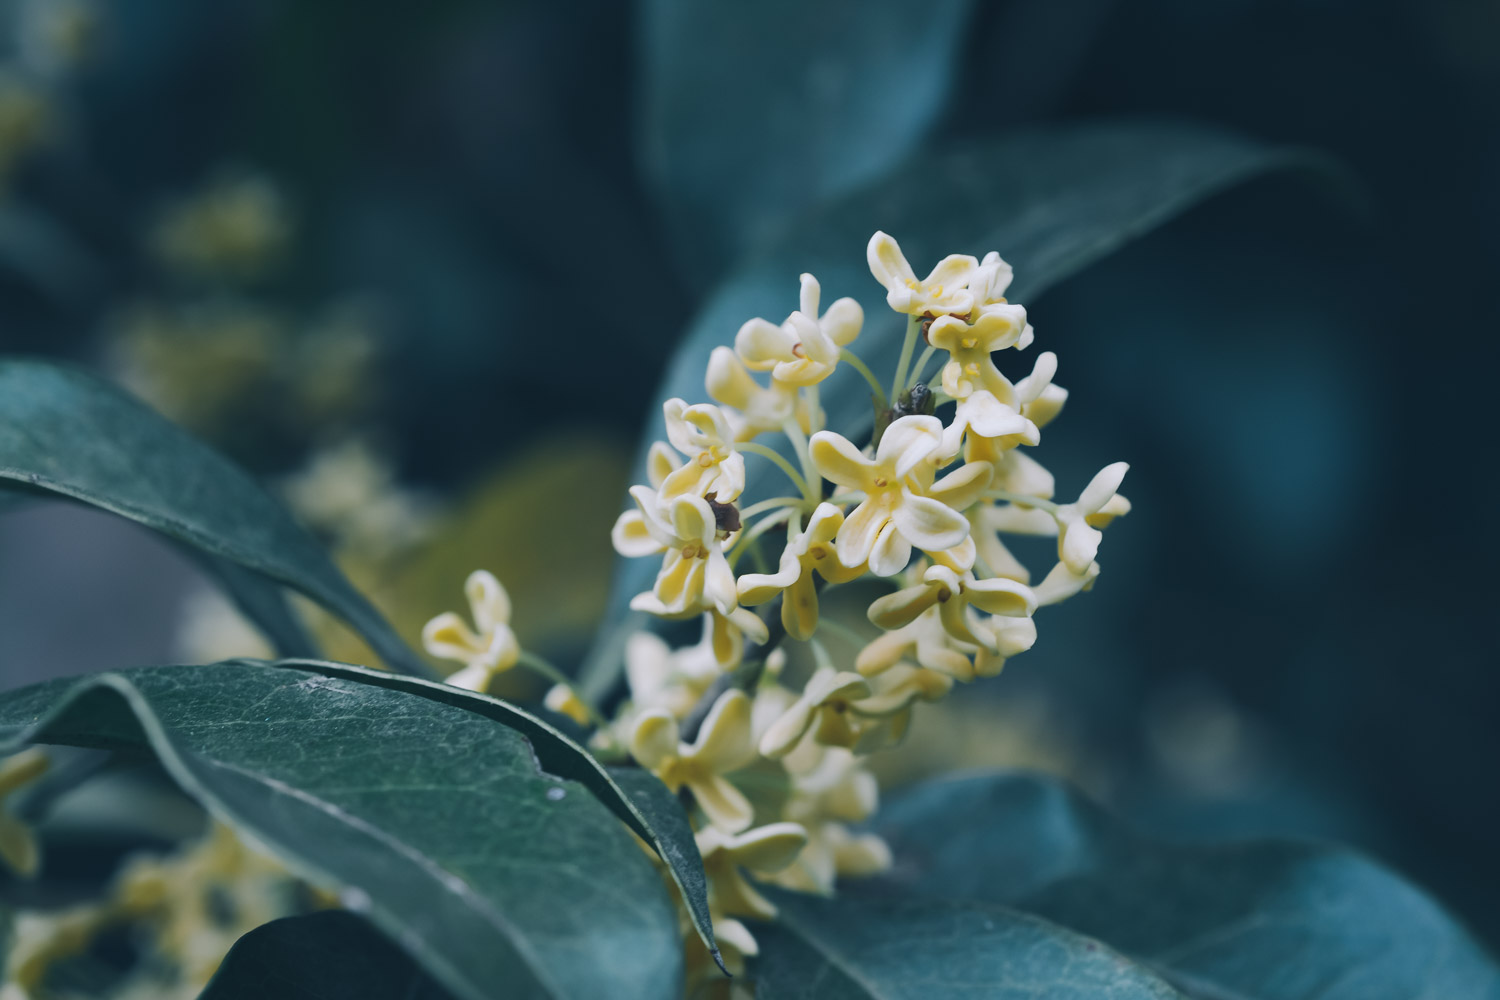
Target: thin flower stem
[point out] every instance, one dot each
(857, 363)
(908, 346)
(814, 407)
(543, 668)
(771, 504)
(811, 480)
(922, 359)
(1023, 500)
(775, 456)
(760, 527)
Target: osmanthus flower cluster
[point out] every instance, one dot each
(923, 503)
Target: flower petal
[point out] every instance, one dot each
(761, 344)
(891, 551)
(839, 461)
(929, 524)
(654, 739)
(758, 588)
(487, 600)
(960, 488)
(725, 806)
(723, 743)
(896, 610)
(449, 637)
(856, 538)
(907, 442)
(1000, 596)
(842, 321)
(727, 381)
(1103, 486)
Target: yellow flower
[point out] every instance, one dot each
(811, 549)
(489, 648)
(713, 465)
(749, 407)
(723, 745)
(827, 701)
(838, 790)
(695, 574)
(892, 519)
(563, 700)
(630, 535)
(805, 349)
(990, 281)
(1079, 524)
(18, 847)
(953, 595)
(764, 850)
(970, 367)
(674, 680)
(927, 641)
(945, 290)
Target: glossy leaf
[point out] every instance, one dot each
(443, 827)
(1051, 202)
(914, 949)
(637, 797)
(752, 113)
(1265, 920)
(318, 957)
(65, 432)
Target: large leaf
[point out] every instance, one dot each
(1266, 920)
(319, 957)
(1051, 202)
(637, 797)
(66, 432)
(441, 825)
(751, 113)
(915, 949)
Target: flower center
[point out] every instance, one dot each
(881, 482)
(819, 551)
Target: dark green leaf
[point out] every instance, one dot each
(1267, 920)
(443, 827)
(1051, 202)
(333, 955)
(635, 796)
(673, 837)
(840, 949)
(65, 432)
(755, 112)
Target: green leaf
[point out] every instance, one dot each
(442, 826)
(319, 957)
(1264, 920)
(672, 835)
(754, 113)
(842, 949)
(1051, 202)
(637, 797)
(65, 432)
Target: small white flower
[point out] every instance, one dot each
(702, 433)
(805, 349)
(943, 291)
(1079, 523)
(487, 649)
(695, 574)
(751, 408)
(893, 518)
(723, 745)
(808, 551)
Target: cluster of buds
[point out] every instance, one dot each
(924, 504)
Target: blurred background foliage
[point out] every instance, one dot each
(423, 266)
